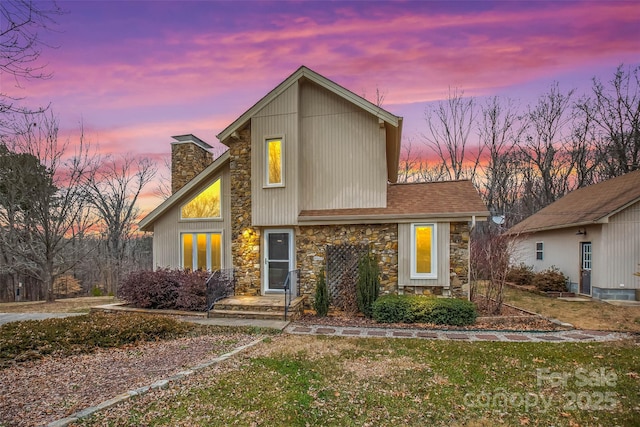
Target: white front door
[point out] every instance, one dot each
(278, 259)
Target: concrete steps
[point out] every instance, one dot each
(266, 307)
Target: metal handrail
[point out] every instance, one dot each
(291, 287)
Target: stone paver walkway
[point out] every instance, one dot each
(458, 335)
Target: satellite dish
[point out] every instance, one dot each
(498, 219)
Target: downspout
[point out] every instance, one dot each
(473, 225)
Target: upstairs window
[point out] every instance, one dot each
(274, 160)
(539, 251)
(423, 251)
(205, 205)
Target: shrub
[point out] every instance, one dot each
(192, 290)
(550, 280)
(392, 309)
(96, 292)
(321, 300)
(165, 289)
(368, 284)
(423, 309)
(33, 339)
(521, 275)
(453, 311)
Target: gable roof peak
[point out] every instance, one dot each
(310, 75)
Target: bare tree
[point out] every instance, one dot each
(449, 126)
(113, 190)
(491, 252)
(615, 112)
(583, 150)
(21, 24)
(499, 133)
(58, 210)
(548, 167)
(414, 167)
(22, 177)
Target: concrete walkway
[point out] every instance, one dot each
(17, 317)
(574, 335)
(458, 335)
(230, 321)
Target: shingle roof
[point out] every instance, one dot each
(431, 199)
(586, 205)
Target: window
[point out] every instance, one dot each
(202, 251)
(539, 250)
(423, 251)
(205, 205)
(274, 173)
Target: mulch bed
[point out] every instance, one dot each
(511, 318)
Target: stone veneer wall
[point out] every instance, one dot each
(312, 240)
(187, 161)
(245, 240)
(459, 258)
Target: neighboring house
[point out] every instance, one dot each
(592, 235)
(311, 165)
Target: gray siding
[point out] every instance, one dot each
(166, 231)
(621, 250)
(562, 250)
(404, 256)
(276, 206)
(342, 153)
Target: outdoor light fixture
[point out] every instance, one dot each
(581, 232)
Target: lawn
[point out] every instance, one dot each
(330, 381)
(594, 314)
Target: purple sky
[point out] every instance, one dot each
(136, 73)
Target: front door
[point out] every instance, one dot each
(585, 268)
(278, 259)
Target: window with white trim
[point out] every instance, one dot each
(205, 205)
(423, 251)
(274, 162)
(539, 250)
(201, 251)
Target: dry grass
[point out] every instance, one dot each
(295, 380)
(68, 305)
(584, 315)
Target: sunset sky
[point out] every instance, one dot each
(136, 73)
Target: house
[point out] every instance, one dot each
(310, 166)
(592, 235)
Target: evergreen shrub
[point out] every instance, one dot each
(321, 300)
(368, 284)
(424, 309)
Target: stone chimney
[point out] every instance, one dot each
(189, 156)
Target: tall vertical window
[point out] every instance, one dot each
(539, 250)
(201, 251)
(423, 251)
(205, 204)
(274, 160)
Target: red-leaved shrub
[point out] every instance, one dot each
(165, 289)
